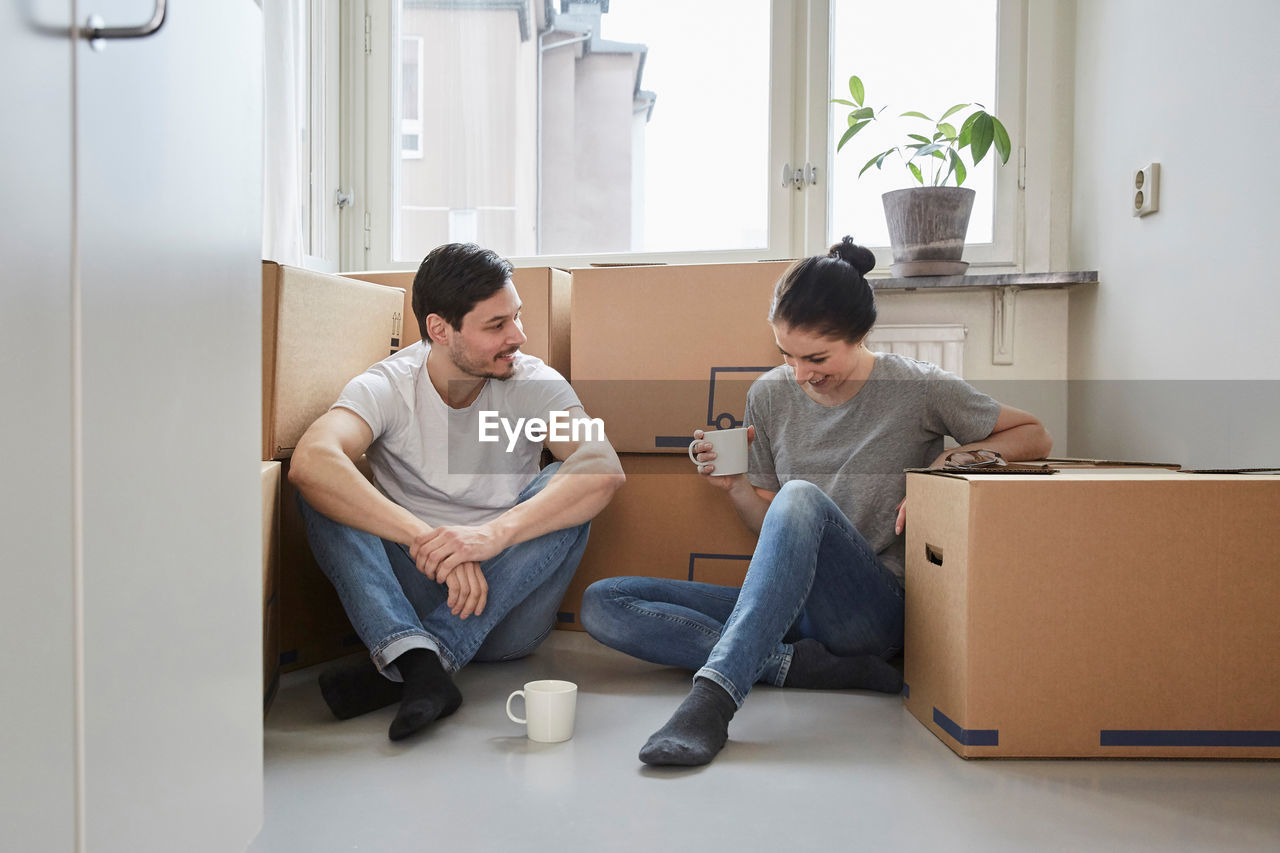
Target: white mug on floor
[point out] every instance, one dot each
(549, 709)
(730, 446)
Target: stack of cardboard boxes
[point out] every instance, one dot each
(318, 331)
(657, 352)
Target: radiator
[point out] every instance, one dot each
(940, 344)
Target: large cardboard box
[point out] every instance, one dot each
(318, 331)
(664, 523)
(314, 627)
(544, 310)
(1118, 613)
(659, 351)
(270, 568)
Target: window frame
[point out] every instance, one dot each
(325, 241)
(799, 135)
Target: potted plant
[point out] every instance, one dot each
(928, 223)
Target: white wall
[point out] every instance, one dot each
(1174, 353)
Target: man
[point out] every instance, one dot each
(464, 548)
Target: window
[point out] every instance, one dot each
(576, 131)
(411, 97)
(921, 68)
(570, 128)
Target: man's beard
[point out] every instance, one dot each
(480, 369)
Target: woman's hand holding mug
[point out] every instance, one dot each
(721, 455)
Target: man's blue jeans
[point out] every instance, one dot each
(394, 607)
(812, 576)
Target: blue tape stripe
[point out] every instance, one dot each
(1187, 737)
(906, 690)
(966, 737)
(672, 440)
(564, 616)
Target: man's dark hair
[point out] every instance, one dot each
(452, 279)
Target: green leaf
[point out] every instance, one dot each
(1003, 146)
(953, 110)
(915, 170)
(968, 122)
(865, 112)
(849, 134)
(926, 140)
(928, 149)
(856, 89)
(981, 136)
(915, 114)
(936, 136)
(947, 130)
(957, 165)
(876, 161)
(962, 138)
(843, 101)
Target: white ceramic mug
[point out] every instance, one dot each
(549, 709)
(730, 446)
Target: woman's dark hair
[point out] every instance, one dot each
(827, 295)
(453, 278)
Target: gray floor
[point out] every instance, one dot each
(803, 770)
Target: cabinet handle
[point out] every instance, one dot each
(94, 29)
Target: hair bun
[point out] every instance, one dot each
(858, 257)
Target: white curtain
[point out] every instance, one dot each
(285, 148)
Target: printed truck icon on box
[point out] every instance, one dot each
(726, 402)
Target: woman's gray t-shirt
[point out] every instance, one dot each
(856, 451)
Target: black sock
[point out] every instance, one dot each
(696, 731)
(353, 686)
(429, 693)
(815, 668)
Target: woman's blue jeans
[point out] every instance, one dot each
(394, 607)
(812, 576)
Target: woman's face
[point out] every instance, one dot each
(822, 365)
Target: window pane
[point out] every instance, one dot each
(643, 128)
(925, 60)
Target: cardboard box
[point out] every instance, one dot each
(318, 331)
(665, 523)
(1118, 613)
(270, 568)
(659, 351)
(314, 627)
(544, 296)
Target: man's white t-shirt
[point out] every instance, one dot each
(429, 459)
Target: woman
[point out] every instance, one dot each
(831, 431)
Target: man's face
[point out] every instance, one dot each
(490, 336)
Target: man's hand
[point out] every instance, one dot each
(441, 551)
(468, 590)
(901, 523)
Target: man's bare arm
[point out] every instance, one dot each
(323, 469)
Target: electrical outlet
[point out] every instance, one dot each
(1146, 190)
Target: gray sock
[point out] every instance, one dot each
(816, 668)
(696, 731)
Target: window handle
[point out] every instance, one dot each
(95, 29)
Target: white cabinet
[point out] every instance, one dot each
(130, 616)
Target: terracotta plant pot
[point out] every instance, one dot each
(927, 226)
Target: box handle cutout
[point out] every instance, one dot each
(934, 553)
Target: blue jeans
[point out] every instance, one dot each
(394, 607)
(812, 576)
